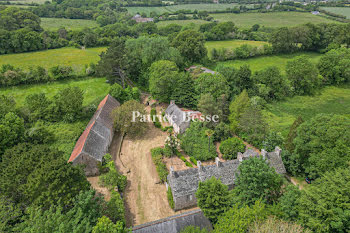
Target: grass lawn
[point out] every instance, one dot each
(171, 9)
(231, 44)
(338, 10)
(274, 19)
(74, 57)
(55, 23)
(66, 134)
(259, 63)
(332, 99)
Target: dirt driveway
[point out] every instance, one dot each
(145, 197)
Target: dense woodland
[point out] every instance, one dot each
(41, 192)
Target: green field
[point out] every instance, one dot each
(259, 63)
(174, 8)
(74, 57)
(274, 19)
(29, 1)
(195, 22)
(66, 134)
(338, 10)
(93, 88)
(231, 44)
(281, 115)
(55, 23)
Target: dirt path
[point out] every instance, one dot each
(145, 197)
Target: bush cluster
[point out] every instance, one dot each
(157, 157)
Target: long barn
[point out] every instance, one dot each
(94, 143)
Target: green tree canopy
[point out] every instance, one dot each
(303, 75)
(230, 147)
(123, 118)
(238, 219)
(213, 198)
(325, 205)
(323, 144)
(191, 45)
(256, 180)
(214, 84)
(237, 107)
(163, 77)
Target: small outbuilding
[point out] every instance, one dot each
(94, 143)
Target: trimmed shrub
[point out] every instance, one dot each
(230, 147)
(188, 164)
(193, 160)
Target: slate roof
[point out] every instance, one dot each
(175, 224)
(178, 116)
(174, 110)
(98, 133)
(185, 182)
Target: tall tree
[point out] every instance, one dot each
(237, 107)
(11, 131)
(163, 77)
(325, 205)
(303, 75)
(184, 91)
(129, 118)
(256, 180)
(113, 62)
(323, 144)
(213, 198)
(289, 144)
(191, 45)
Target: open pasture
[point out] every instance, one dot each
(329, 100)
(231, 44)
(274, 19)
(259, 63)
(77, 58)
(53, 24)
(192, 22)
(339, 10)
(174, 8)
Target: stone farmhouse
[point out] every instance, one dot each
(179, 118)
(94, 143)
(184, 183)
(176, 223)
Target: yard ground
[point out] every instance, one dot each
(145, 197)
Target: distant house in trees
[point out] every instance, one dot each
(200, 69)
(180, 118)
(184, 183)
(93, 144)
(176, 223)
(139, 19)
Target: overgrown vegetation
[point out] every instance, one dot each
(157, 157)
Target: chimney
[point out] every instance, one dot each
(217, 161)
(172, 102)
(263, 153)
(199, 165)
(240, 157)
(278, 151)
